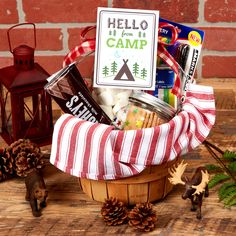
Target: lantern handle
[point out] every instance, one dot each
(14, 26)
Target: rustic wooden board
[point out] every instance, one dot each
(71, 212)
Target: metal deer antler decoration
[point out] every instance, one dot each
(194, 187)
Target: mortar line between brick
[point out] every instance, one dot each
(201, 5)
(20, 11)
(200, 20)
(218, 53)
(109, 3)
(6, 54)
(65, 39)
(51, 53)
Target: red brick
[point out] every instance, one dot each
(218, 11)
(4, 46)
(8, 12)
(49, 39)
(219, 67)
(64, 11)
(6, 61)
(75, 38)
(46, 39)
(50, 63)
(178, 11)
(220, 39)
(86, 67)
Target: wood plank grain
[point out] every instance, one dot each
(138, 193)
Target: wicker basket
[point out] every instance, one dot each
(150, 185)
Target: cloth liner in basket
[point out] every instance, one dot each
(99, 152)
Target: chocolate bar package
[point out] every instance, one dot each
(70, 92)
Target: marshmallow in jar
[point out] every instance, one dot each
(113, 102)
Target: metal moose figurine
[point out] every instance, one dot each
(195, 187)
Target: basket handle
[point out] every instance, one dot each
(86, 48)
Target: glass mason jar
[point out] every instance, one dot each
(145, 111)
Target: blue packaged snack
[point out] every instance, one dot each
(165, 78)
(187, 47)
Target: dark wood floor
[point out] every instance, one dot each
(71, 212)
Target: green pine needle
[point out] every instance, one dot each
(232, 166)
(226, 189)
(227, 179)
(213, 168)
(217, 178)
(231, 203)
(229, 156)
(228, 201)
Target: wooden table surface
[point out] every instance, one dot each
(72, 212)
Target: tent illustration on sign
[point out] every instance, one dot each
(124, 71)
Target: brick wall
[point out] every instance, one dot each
(59, 22)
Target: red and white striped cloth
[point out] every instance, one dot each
(88, 45)
(97, 151)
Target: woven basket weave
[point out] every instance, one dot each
(150, 185)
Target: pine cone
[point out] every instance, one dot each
(26, 155)
(143, 217)
(114, 212)
(6, 164)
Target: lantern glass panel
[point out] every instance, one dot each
(6, 116)
(28, 107)
(34, 107)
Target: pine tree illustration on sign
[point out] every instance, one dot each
(105, 71)
(136, 69)
(143, 73)
(113, 67)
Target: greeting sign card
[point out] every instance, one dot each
(126, 48)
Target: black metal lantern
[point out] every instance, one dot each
(26, 109)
